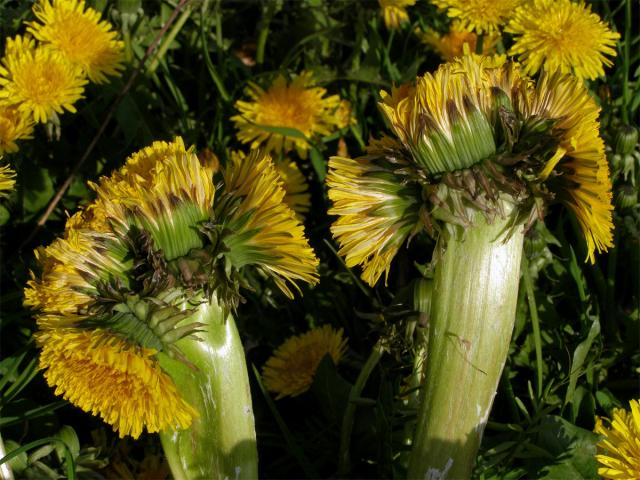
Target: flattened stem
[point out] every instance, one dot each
(472, 317)
(221, 442)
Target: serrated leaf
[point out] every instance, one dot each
(574, 449)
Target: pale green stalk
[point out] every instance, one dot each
(221, 442)
(5, 469)
(472, 316)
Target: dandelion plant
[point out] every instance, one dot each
(480, 152)
(135, 302)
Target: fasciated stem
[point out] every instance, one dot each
(221, 442)
(472, 316)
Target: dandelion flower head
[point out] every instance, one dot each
(449, 159)
(298, 105)
(14, 125)
(561, 35)
(480, 16)
(619, 448)
(80, 35)
(394, 12)
(452, 44)
(291, 369)
(7, 179)
(104, 375)
(99, 370)
(297, 195)
(266, 232)
(377, 211)
(39, 80)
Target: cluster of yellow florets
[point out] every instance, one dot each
(44, 72)
(287, 117)
(543, 34)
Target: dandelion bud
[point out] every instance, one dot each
(627, 196)
(626, 140)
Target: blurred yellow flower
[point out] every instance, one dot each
(80, 35)
(561, 35)
(296, 105)
(344, 115)
(290, 371)
(38, 80)
(103, 374)
(14, 125)
(297, 197)
(452, 44)
(7, 179)
(480, 16)
(394, 12)
(619, 449)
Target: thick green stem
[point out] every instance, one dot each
(221, 442)
(471, 322)
(5, 469)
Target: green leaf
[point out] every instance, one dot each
(20, 462)
(293, 444)
(574, 449)
(68, 435)
(285, 131)
(319, 164)
(5, 215)
(579, 357)
(38, 189)
(331, 390)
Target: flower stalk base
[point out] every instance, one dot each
(471, 322)
(221, 442)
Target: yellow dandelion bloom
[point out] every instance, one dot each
(453, 44)
(291, 369)
(344, 115)
(561, 35)
(14, 125)
(447, 123)
(297, 105)
(480, 16)
(579, 174)
(7, 179)
(78, 33)
(619, 449)
(72, 266)
(100, 372)
(168, 192)
(266, 232)
(297, 195)
(104, 375)
(39, 81)
(443, 121)
(376, 211)
(394, 12)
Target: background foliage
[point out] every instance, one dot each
(575, 349)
